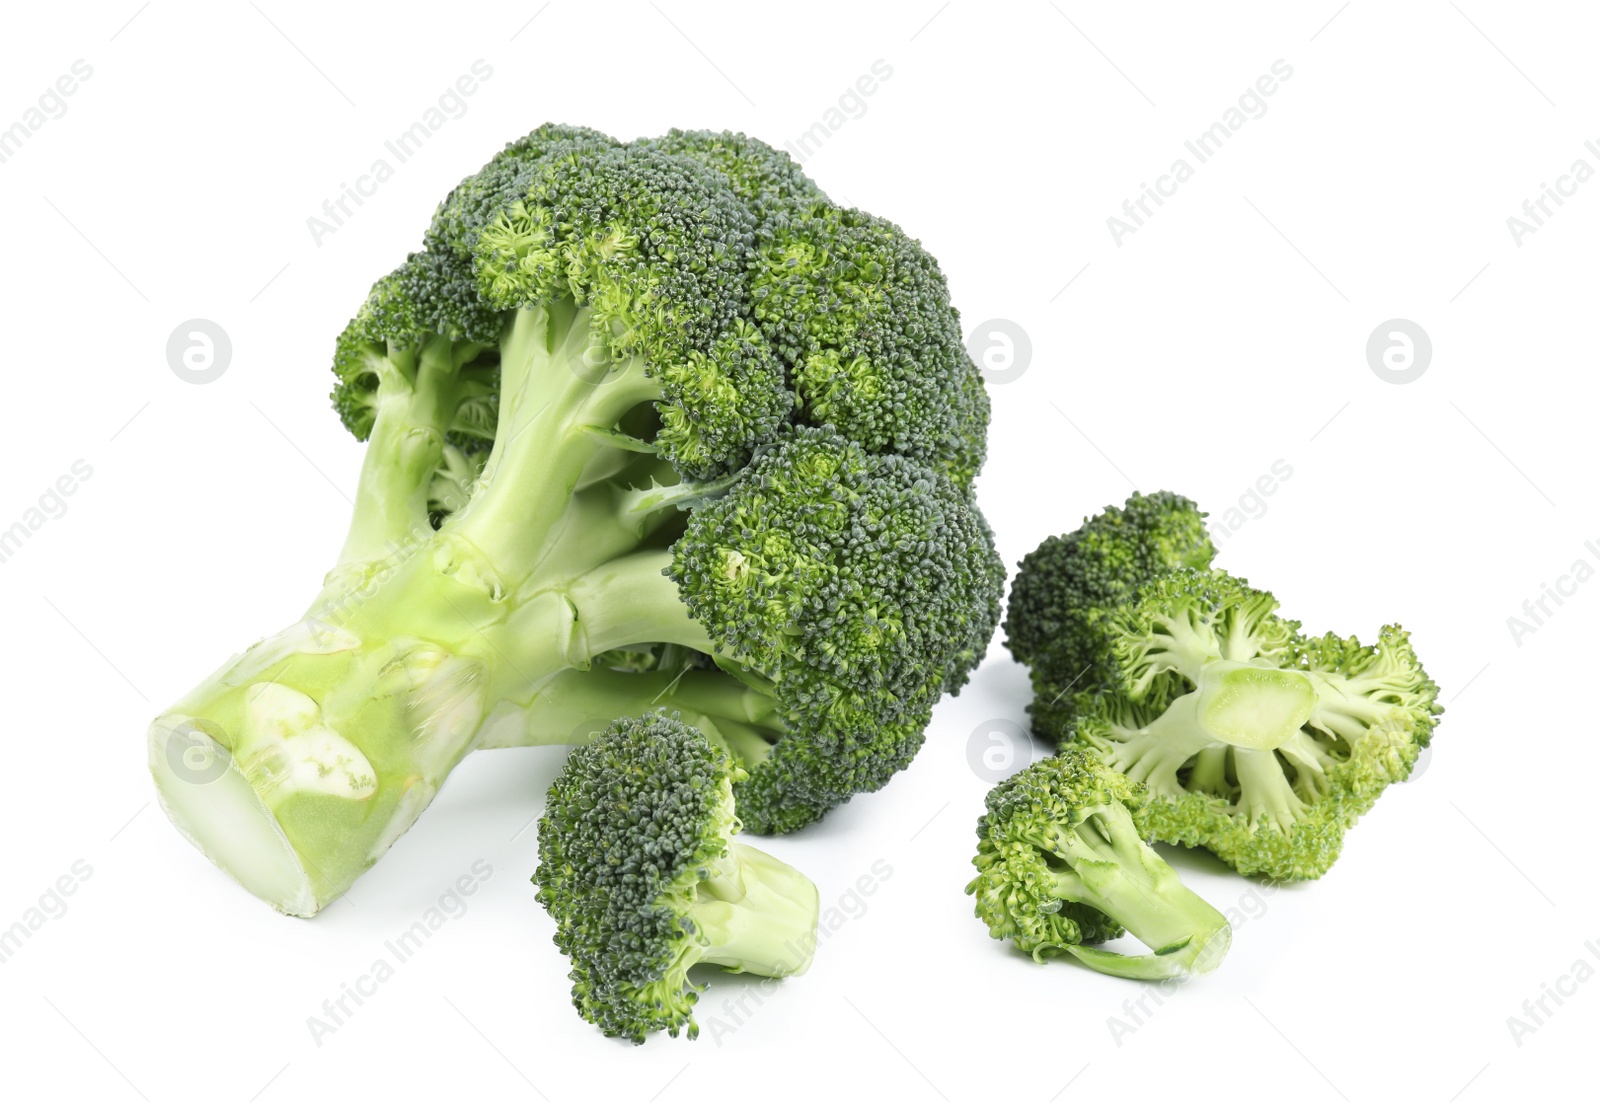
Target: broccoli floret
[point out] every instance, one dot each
(1067, 589)
(1255, 741)
(1062, 863)
(594, 450)
(768, 180)
(843, 594)
(861, 312)
(639, 868)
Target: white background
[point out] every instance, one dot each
(1225, 334)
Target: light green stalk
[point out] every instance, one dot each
(299, 763)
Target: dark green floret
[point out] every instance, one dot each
(1070, 586)
(639, 867)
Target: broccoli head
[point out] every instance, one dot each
(639, 867)
(1063, 864)
(1070, 586)
(1254, 740)
(612, 435)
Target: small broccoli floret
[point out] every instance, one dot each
(1070, 586)
(639, 868)
(1255, 742)
(1062, 863)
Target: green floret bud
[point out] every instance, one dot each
(481, 197)
(1256, 743)
(768, 180)
(858, 588)
(1071, 586)
(1062, 864)
(862, 313)
(639, 869)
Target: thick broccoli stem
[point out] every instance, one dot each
(759, 914)
(574, 706)
(1110, 868)
(341, 735)
(330, 738)
(1252, 706)
(558, 393)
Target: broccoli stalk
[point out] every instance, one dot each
(1062, 863)
(338, 731)
(757, 914)
(640, 871)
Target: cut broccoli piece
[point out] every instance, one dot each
(639, 868)
(1256, 742)
(1062, 864)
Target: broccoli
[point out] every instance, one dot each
(639, 868)
(1062, 863)
(1069, 586)
(654, 411)
(1255, 741)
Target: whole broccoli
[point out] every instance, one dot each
(651, 411)
(1062, 864)
(1067, 589)
(639, 869)
(1255, 741)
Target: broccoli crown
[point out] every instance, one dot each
(684, 248)
(860, 587)
(1062, 863)
(632, 826)
(1068, 588)
(1255, 741)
